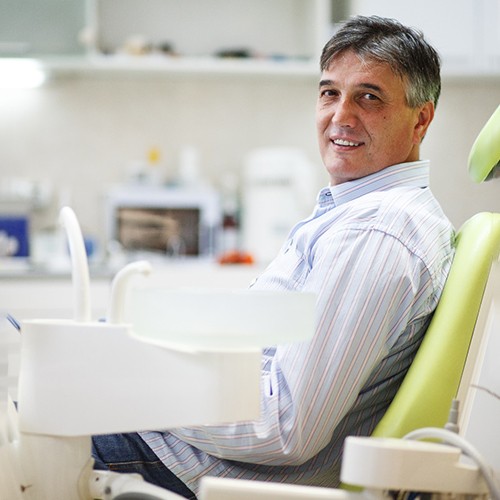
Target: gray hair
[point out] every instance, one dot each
(388, 41)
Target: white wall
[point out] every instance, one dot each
(464, 108)
(84, 132)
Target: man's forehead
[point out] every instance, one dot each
(372, 68)
(367, 62)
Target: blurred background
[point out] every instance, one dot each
(186, 128)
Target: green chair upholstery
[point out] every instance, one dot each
(425, 396)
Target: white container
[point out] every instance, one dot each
(278, 191)
(82, 379)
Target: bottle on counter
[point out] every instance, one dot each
(230, 247)
(150, 170)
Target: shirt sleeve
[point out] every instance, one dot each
(366, 284)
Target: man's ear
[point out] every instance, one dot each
(424, 119)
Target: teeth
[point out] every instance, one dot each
(342, 142)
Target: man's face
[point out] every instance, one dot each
(364, 124)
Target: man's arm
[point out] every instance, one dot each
(366, 285)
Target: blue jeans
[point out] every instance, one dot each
(129, 453)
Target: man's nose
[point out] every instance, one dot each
(344, 114)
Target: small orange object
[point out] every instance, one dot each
(236, 257)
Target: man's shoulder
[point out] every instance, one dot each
(410, 215)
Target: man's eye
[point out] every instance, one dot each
(370, 97)
(328, 93)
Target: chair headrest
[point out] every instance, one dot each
(484, 158)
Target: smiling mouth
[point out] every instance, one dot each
(346, 143)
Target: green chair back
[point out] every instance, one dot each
(425, 396)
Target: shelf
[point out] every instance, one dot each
(201, 65)
(113, 66)
(98, 66)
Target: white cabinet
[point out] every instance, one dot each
(465, 32)
(35, 28)
(208, 35)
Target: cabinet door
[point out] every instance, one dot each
(492, 36)
(453, 27)
(268, 28)
(41, 27)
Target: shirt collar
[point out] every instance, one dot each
(411, 174)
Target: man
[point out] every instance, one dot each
(376, 251)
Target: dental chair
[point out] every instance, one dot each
(447, 371)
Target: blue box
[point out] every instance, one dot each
(14, 229)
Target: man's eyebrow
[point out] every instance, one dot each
(324, 83)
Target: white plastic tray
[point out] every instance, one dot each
(220, 320)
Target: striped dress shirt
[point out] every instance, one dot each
(376, 251)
